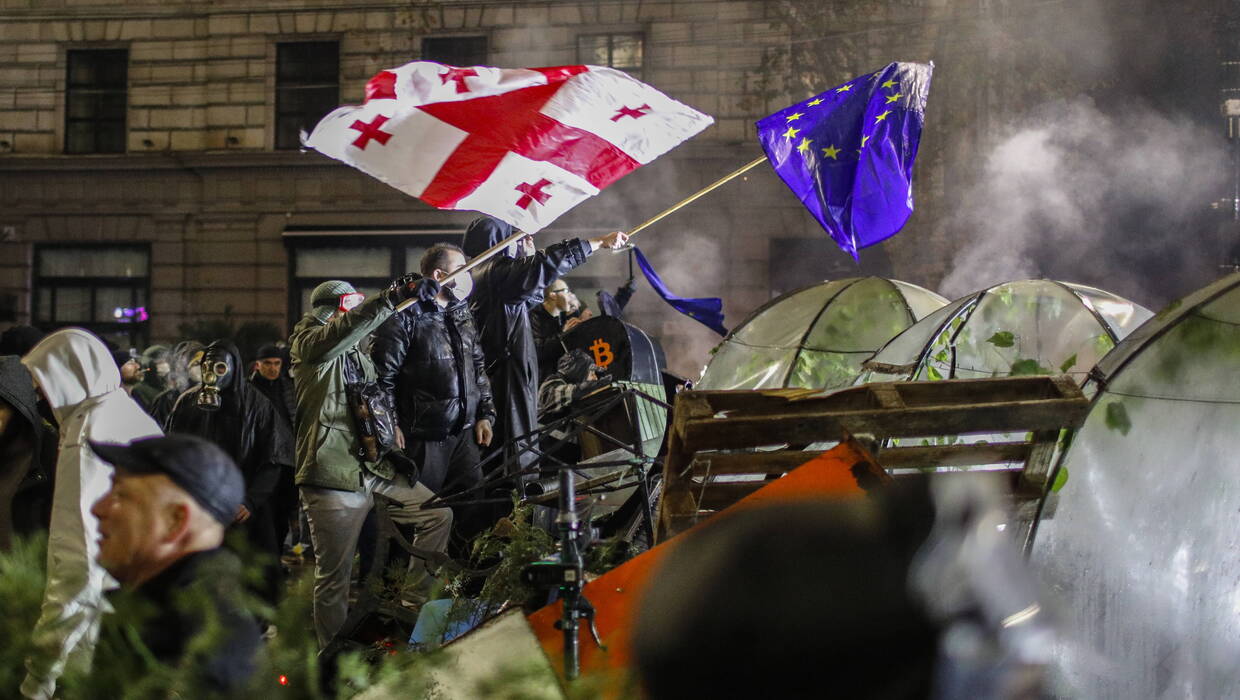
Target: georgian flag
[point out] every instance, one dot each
(524, 145)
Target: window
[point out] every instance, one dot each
(455, 50)
(368, 262)
(102, 288)
(307, 87)
(620, 51)
(95, 100)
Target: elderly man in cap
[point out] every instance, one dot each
(160, 530)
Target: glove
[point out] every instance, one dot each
(412, 286)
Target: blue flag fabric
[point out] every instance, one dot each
(708, 312)
(848, 153)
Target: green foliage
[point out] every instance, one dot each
(1068, 364)
(1061, 478)
(1002, 339)
(1117, 417)
(21, 590)
(1027, 367)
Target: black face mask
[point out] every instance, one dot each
(218, 373)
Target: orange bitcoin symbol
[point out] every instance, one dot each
(602, 353)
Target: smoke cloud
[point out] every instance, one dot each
(1076, 194)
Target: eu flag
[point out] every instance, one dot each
(848, 153)
(706, 311)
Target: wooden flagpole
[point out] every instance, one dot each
(700, 193)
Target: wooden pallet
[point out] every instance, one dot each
(784, 421)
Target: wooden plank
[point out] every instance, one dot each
(967, 391)
(689, 405)
(809, 427)
(906, 457)
(1038, 466)
(776, 462)
(676, 496)
(888, 396)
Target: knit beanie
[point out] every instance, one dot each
(325, 298)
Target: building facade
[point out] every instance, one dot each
(151, 176)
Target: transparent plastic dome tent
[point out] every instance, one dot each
(1015, 328)
(817, 336)
(1141, 543)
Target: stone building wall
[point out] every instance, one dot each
(201, 183)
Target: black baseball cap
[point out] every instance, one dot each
(205, 471)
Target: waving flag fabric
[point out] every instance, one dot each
(524, 145)
(707, 311)
(848, 153)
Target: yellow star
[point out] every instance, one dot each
(895, 97)
(817, 101)
(889, 84)
(863, 140)
(844, 88)
(831, 152)
(791, 133)
(882, 116)
(794, 116)
(804, 145)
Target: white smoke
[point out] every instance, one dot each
(1116, 200)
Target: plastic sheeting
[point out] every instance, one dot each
(817, 337)
(1139, 546)
(1015, 328)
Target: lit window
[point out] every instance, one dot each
(103, 289)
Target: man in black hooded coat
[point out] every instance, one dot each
(251, 430)
(27, 455)
(506, 288)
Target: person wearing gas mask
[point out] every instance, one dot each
(506, 288)
(432, 368)
(230, 412)
(185, 361)
(342, 455)
(80, 381)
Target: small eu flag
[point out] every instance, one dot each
(848, 153)
(706, 311)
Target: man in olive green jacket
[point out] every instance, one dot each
(337, 486)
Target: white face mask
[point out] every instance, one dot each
(462, 286)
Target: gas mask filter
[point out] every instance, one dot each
(217, 373)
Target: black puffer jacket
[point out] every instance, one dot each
(504, 291)
(247, 426)
(432, 368)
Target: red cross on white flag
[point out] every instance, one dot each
(524, 145)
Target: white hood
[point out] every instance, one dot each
(71, 366)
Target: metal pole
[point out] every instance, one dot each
(570, 556)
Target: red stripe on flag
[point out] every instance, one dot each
(381, 87)
(558, 74)
(512, 122)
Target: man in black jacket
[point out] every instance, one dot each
(160, 530)
(506, 287)
(249, 428)
(433, 370)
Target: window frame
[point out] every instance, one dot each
(485, 55)
(99, 92)
(139, 332)
(611, 50)
(284, 88)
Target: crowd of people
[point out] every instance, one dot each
(140, 465)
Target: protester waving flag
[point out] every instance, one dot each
(523, 145)
(848, 153)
